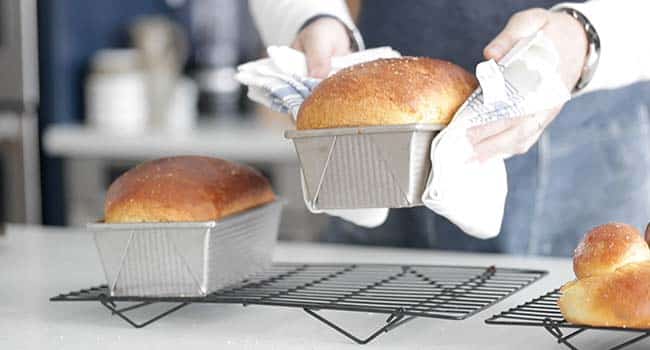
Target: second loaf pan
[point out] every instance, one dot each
(365, 167)
(186, 258)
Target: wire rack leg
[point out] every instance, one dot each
(132, 307)
(395, 320)
(561, 338)
(633, 340)
(122, 312)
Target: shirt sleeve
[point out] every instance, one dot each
(279, 21)
(624, 48)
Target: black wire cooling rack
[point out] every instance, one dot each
(403, 292)
(544, 312)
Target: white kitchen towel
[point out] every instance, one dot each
(280, 82)
(471, 194)
(369, 217)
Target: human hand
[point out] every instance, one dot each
(515, 136)
(320, 41)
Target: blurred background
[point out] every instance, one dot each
(90, 88)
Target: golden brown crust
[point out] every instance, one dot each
(185, 188)
(618, 299)
(608, 247)
(388, 92)
(612, 264)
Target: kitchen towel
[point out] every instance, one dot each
(472, 194)
(280, 81)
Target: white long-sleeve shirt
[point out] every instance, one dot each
(624, 54)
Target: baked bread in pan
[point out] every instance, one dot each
(185, 188)
(389, 91)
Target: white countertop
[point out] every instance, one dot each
(37, 263)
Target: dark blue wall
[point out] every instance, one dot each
(69, 32)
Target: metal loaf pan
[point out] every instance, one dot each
(186, 258)
(365, 167)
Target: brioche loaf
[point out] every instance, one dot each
(612, 264)
(608, 247)
(388, 92)
(186, 188)
(617, 299)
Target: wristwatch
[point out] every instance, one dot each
(593, 47)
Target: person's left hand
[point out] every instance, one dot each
(515, 136)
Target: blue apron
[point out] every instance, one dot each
(591, 165)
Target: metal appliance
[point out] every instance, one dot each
(19, 156)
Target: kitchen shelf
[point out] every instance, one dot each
(403, 292)
(249, 141)
(544, 312)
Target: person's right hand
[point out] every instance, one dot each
(320, 41)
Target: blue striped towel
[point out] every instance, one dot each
(280, 81)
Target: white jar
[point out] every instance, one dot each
(182, 115)
(116, 93)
